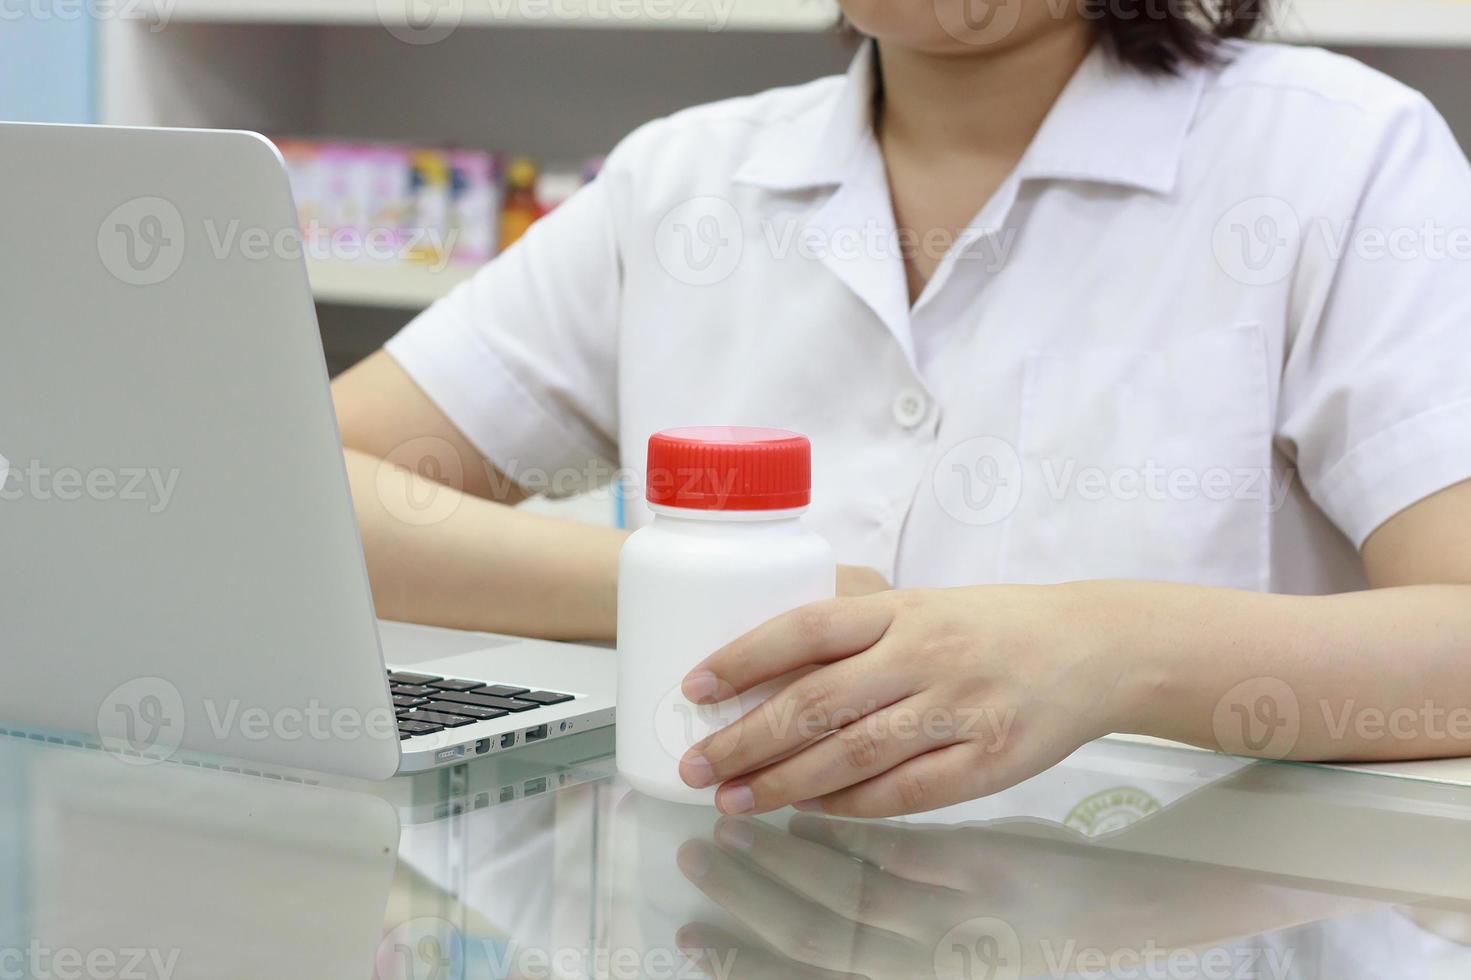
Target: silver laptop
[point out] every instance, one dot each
(180, 568)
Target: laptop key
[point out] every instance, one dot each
(409, 677)
(502, 691)
(545, 697)
(470, 697)
(451, 684)
(404, 701)
(467, 710)
(507, 704)
(412, 690)
(418, 728)
(437, 718)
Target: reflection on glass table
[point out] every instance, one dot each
(1127, 860)
(115, 871)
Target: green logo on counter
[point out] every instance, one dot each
(1110, 811)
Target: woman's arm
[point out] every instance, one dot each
(1382, 674)
(443, 541)
(938, 696)
(444, 545)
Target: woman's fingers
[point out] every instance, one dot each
(954, 774)
(813, 705)
(948, 775)
(860, 750)
(818, 633)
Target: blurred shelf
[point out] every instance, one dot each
(1411, 23)
(388, 284)
(444, 15)
(1388, 23)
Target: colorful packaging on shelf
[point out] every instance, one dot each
(387, 205)
(305, 173)
(393, 202)
(429, 216)
(341, 209)
(556, 185)
(520, 209)
(475, 205)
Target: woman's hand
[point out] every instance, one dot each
(919, 699)
(855, 580)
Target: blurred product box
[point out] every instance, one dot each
(391, 202)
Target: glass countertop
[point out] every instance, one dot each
(1127, 860)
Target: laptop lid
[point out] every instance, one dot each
(179, 560)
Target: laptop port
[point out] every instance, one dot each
(508, 740)
(482, 746)
(536, 734)
(535, 786)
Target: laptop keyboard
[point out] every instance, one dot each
(426, 704)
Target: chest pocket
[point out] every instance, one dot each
(1146, 464)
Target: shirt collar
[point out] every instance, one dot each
(1112, 124)
(817, 145)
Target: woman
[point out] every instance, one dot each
(1135, 355)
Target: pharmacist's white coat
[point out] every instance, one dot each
(1214, 328)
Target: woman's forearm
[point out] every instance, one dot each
(439, 556)
(1381, 674)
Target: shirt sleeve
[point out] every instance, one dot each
(1376, 391)
(522, 357)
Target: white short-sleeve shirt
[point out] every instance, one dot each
(1214, 328)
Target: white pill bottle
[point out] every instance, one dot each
(727, 550)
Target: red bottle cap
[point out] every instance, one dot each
(718, 467)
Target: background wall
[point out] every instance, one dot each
(47, 65)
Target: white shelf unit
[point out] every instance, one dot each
(1377, 23)
(513, 75)
(1427, 23)
(698, 15)
(396, 285)
(350, 68)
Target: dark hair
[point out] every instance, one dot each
(1158, 36)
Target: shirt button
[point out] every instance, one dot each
(910, 408)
